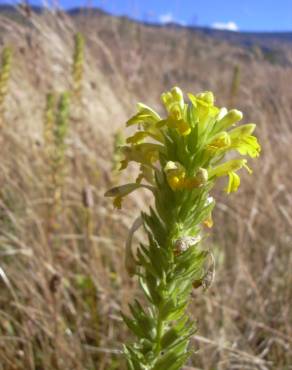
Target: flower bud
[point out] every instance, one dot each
(184, 243)
(206, 96)
(199, 180)
(175, 174)
(229, 119)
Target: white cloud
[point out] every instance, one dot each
(166, 18)
(229, 26)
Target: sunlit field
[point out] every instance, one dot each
(68, 84)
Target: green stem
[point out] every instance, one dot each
(159, 333)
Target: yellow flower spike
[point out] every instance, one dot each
(233, 183)
(181, 181)
(175, 174)
(232, 117)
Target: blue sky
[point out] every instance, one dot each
(243, 15)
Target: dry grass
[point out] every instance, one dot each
(61, 296)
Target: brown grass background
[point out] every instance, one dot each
(59, 306)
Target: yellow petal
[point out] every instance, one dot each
(233, 183)
(175, 174)
(174, 103)
(229, 166)
(219, 141)
(242, 130)
(183, 128)
(209, 221)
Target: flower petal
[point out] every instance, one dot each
(233, 183)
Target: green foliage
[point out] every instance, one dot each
(78, 64)
(119, 141)
(180, 165)
(56, 125)
(5, 71)
(235, 84)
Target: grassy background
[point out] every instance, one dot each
(62, 291)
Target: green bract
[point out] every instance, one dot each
(180, 159)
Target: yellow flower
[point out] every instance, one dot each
(144, 153)
(197, 181)
(233, 183)
(229, 168)
(175, 174)
(244, 142)
(145, 116)
(174, 103)
(177, 180)
(182, 126)
(221, 141)
(204, 105)
(148, 118)
(229, 119)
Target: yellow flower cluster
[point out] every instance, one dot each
(203, 134)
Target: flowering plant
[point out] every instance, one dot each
(180, 158)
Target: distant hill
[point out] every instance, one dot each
(272, 46)
(262, 39)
